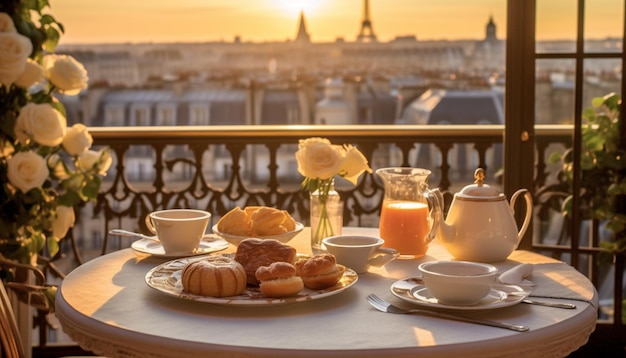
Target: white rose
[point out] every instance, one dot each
(27, 170)
(33, 73)
(14, 50)
(354, 164)
(318, 159)
(91, 158)
(41, 123)
(105, 162)
(67, 74)
(63, 221)
(6, 23)
(77, 139)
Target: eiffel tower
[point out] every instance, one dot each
(367, 33)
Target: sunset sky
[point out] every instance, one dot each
(115, 21)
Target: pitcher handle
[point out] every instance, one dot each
(435, 205)
(529, 211)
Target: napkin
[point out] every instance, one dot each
(518, 275)
(555, 281)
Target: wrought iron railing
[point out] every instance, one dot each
(217, 168)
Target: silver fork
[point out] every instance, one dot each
(384, 306)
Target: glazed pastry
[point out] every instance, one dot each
(254, 253)
(279, 280)
(267, 221)
(256, 221)
(320, 271)
(235, 222)
(215, 276)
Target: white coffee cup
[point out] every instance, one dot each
(359, 252)
(178, 230)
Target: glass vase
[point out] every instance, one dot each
(326, 210)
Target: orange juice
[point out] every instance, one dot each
(404, 226)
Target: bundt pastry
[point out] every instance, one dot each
(254, 253)
(256, 221)
(279, 280)
(320, 271)
(215, 276)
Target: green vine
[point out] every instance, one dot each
(603, 171)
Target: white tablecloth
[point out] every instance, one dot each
(106, 306)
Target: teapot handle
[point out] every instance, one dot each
(529, 211)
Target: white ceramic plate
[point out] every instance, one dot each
(166, 279)
(209, 244)
(235, 240)
(414, 291)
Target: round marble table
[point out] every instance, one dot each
(106, 306)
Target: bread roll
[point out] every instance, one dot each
(254, 253)
(215, 276)
(279, 280)
(320, 271)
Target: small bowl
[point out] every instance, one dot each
(458, 282)
(235, 239)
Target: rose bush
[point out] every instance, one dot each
(46, 168)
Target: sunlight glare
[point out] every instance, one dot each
(293, 7)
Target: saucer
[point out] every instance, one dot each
(414, 291)
(209, 244)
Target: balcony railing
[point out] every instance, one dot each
(219, 167)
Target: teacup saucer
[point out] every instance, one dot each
(414, 291)
(209, 243)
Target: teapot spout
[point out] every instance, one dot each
(445, 231)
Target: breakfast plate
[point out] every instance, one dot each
(166, 278)
(209, 244)
(413, 290)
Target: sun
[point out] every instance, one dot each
(294, 7)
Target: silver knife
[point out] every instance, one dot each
(550, 304)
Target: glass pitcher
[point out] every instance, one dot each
(409, 214)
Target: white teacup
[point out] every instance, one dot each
(359, 252)
(178, 230)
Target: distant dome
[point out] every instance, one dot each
(333, 108)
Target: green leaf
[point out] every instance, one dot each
(52, 39)
(554, 158)
(53, 246)
(92, 188)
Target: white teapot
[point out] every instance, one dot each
(480, 225)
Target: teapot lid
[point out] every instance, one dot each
(479, 189)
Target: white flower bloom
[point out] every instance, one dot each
(27, 170)
(41, 123)
(77, 139)
(318, 159)
(63, 221)
(14, 50)
(33, 73)
(105, 162)
(6, 23)
(67, 74)
(354, 165)
(91, 158)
